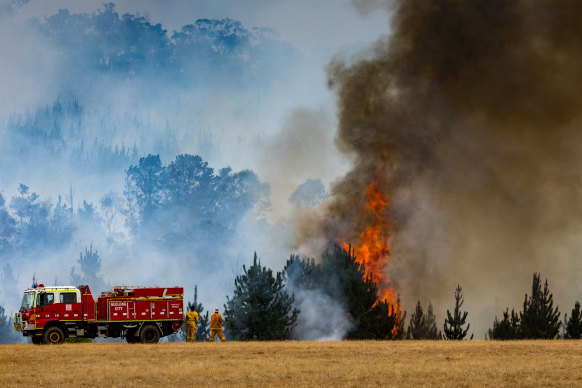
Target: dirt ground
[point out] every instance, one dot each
(312, 364)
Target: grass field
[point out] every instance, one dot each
(314, 364)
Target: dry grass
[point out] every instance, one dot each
(314, 364)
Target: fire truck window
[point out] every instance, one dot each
(68, 297)
(46, 298)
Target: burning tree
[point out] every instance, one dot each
(342, 278)
(453, 326)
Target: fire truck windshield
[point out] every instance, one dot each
(27, 301)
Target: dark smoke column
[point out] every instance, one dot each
(467, 120)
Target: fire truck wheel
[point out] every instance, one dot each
(149, 335)
(130, 337)
(53, 336)
(37, 340)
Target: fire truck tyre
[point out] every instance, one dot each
(53, 336)
(37, 340)
(149, 335)
(130, 337)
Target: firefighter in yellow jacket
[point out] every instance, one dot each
(216, 326)
(191, 322)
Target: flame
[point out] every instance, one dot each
(373, 247)
(373, 250)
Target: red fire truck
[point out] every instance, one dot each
(138, 314)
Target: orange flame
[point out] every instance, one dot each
(373, 249)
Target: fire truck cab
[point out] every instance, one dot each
(138, 314)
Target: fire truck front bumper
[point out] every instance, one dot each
(23, 326)
(19, 325)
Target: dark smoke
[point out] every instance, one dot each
(468, 118)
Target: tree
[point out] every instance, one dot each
(90, 263)
(309, 194)
(507, 328)
(110, 204)
(190, 180)
(422, 326)
(145, 186)
(574, 324)
(431, 324)
(539, 318)
(34, 222)
(261, 308)
(7, 227)
(453, 327)
(7, 333)
(342, 279)
(203, 326)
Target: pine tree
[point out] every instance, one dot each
(433, 333)
(507, 328)
(343, 276)
(261, 309)
(574, 324)
(416, 327)
(203, 327)
(453, 326)
(539, 318)
(422, 326)
(340, 277)
(7, 333)
(90, 264)
(398, 317)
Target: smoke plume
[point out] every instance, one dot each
(467, 117)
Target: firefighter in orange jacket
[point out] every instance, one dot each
(191, 322)
(216, 326)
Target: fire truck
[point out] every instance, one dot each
(139, 314)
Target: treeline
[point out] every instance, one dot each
(300, 300)
(538, 318)
(128, 46)
(269, 306)
(176, 202)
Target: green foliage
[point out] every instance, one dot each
(574, 324)
(453, 327)
(90, 264)
(539, 318)
(7, 333)
(422, 326)
(507, 328)
(203, 326)
(172, 203)
(261, 308)
(342, 278)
